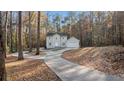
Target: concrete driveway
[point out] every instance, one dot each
(55, 52)
(69, 71)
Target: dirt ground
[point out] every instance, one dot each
(28, 70)
(33, 53)
(106, 59)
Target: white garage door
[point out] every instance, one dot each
(73, 44)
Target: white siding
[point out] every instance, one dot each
(49, 43)
(63, 41)
(73, 42)
(56, 40)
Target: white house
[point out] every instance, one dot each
(59, 39)
(73, 42)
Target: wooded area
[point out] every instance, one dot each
(21, 31)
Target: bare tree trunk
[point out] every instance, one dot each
(80, 30)
(11, 33)
(20, 47)
(16, 42)
(30, 33)
(70, 30)
(91, 27)
(47, 23)
(2, 53)
(117, 28)
(38, 35)
(5, 32)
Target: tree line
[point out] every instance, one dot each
(98, 28)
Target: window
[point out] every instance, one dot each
(63, 44)
(50, 44)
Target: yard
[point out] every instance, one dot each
(29, 70)
(106, 59)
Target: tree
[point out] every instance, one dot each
(5, 32)
(20, 48)
(2, 52)
(30, 33)
(47, 22)
(11, 33)
(120, 26)
(16, 35)
(71, 20)
(38, 34)
(57, 22)
(81, 17)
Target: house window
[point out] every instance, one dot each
(63, 44)
(50, 44)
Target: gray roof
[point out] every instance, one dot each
(53, 33)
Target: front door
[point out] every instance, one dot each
(56, 44)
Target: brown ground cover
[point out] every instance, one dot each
(29, 70)
(106, 59)
(33, 53)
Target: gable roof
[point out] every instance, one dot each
(59, 33)
(72, 39)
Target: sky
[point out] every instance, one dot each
(54, 13)
(61, 13)
(51, 14)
